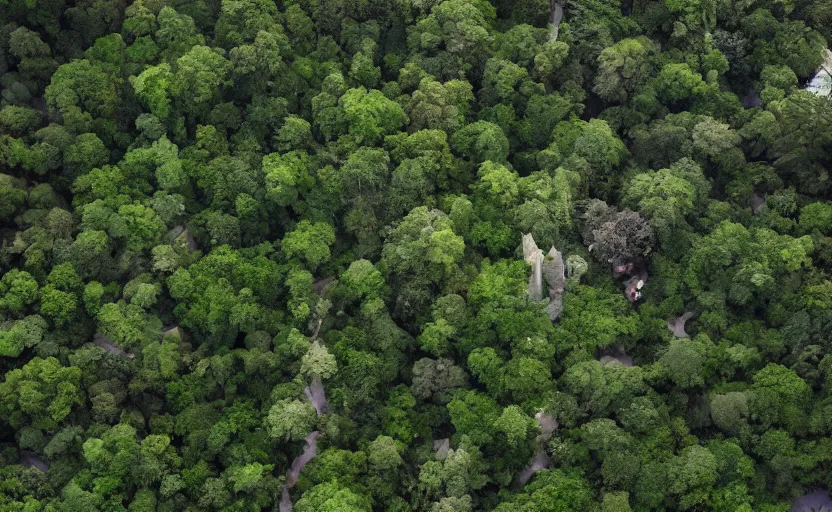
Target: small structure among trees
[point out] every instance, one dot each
(550, 268)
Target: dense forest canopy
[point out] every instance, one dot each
(415, 255)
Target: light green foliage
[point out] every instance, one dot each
(474, 415)
(42, 393)
(777, 81)
(449, 504)
(370, 115)
(199, 74)
(457, 475)
(515, 425)
(57, 305)
(127, 324)
(21, 334)
(623, 68)
(165, 258)
(593, 319)
(145, 295)
(714, 140)
(336, 464)
(422, 251)
(684, 361)
(383, 455)
(287, 175)
(310, 242)
(318, 362)
(139, 225)
(295, 134)
(779, 397)
(245, 478)
(25, 44)
(601, 388)
(677, 83)
(111, 456)
(152, 87)
(550, 491)
(692, 474)
(595, 143)
(497, 183)
(461, 27)
(290, 420)
(331, 497)
(435, 338)
(745, 264)
(222, 291)
(729, 409)
(17, 121)
(139, 20)
(362, 281)
(80, 91)
(19, 290)
(816, 216)
(58, 299)
(667, 197)
(440, 106)
(12, 196)
(482, 141)
(616, 502)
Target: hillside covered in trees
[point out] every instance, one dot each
(415, 255)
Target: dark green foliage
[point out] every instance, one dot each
(256, 253)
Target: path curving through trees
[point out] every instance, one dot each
(556, 8)
(316, 395)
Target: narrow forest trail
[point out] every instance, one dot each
(821, 83)
(317, 397)
(557, 16)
